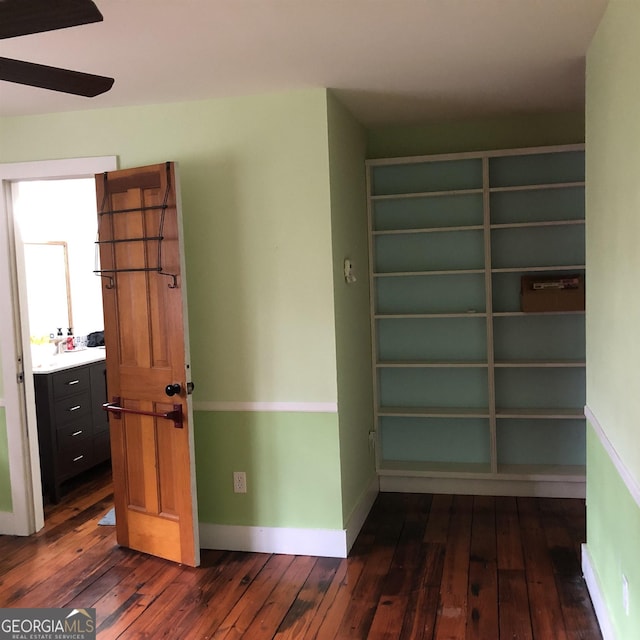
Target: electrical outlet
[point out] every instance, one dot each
(239, 482)
(625, 594)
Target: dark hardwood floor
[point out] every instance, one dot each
(424, 566)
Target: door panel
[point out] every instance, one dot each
(147, 349)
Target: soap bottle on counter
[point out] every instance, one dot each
(59, 341)
(69, 345)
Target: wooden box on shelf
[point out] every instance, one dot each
(552, 293)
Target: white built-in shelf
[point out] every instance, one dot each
(467, 314)
(518, 314)
(482, 471)
(435, 412)
(529, 364)
(425, 194)
(434, 469)
(549, 472)
(566, 267)
(540, 414)
(544, 223)
(537, 187)
(431, 272)
(519, 206)
(421, 364)
(400, 232)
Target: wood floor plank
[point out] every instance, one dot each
(513, 605)
(439, 516)
(228, 581)
(326, 621)
(451, 620)
(299, 618)
(268, 619)
(364, 599)
(242, 614)
(420, 616)
(509, 541)
(546, 613)
(482, 610)
(388, 617)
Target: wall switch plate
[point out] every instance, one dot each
(239, 482)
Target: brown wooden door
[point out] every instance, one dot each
(139, 233)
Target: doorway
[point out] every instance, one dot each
(61, 306)
(15, 339)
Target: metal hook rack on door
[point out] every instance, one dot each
(104, 211)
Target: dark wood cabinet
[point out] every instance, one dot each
(73, 429)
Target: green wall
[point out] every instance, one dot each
(613, 308)
(257, 222)
(347, 153)
(613, 525)
(292, 464)
(508, 132)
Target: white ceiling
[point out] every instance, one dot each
(390, 61)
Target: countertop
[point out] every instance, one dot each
(69, 359)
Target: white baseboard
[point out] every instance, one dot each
(331, 543)
(483, 487)
(593, 586)
(305, 542)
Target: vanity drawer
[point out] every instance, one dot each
(70, 381)
(69, 436)
(72, 409)
(75, 459)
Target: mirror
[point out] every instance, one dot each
(48, 288)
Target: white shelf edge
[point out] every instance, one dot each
(398, 232)
(439, 272)
(537, 187)
(462, 314)
(541, 223)
(549, 472)
(423, 364)
(434, 412)
(425, 194)
(469, 155)
(568, 267)
(532, 364)
(518, 314)
(540, 414)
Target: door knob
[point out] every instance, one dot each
(172, 389)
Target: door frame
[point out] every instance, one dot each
(27, 514)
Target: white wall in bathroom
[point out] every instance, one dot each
(65, 210)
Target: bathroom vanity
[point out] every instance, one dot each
(73, 429)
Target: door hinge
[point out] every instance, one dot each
(20, 376)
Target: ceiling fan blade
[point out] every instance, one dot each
(40, 75)
(23, 17)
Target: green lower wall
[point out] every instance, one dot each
(292, 466)
(613, 530)
(508, 132)
(5, 482)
